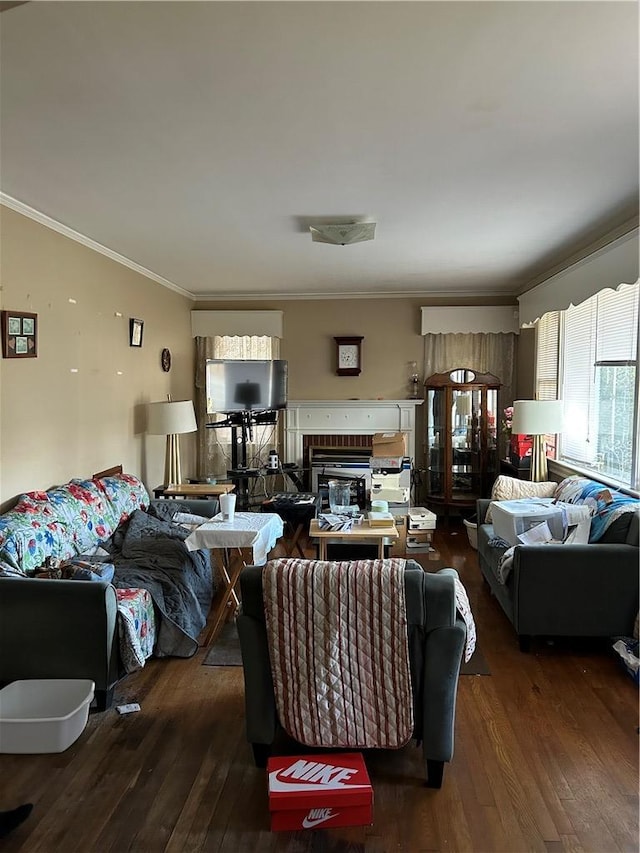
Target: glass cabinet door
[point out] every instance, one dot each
(435, 441)
(466, 440)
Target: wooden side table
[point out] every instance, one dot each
(193, 490)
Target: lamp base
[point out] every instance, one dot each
(539, 471)
(172, 466)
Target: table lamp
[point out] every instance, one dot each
(537, 418)
(171, 418)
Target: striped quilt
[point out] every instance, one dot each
(339, 649)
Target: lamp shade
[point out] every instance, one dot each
(463, 404)
(537, 417)
(171, 418)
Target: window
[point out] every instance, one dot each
(596, 356)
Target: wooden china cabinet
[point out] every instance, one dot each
(461, 439)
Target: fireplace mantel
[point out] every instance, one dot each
(346, 417)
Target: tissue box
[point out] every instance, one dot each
(512, 518)
(319, 791)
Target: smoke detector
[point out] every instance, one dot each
(343, 234)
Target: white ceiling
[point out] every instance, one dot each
(488, 140)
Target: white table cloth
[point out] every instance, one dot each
(256, 530)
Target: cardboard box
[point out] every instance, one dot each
(398, 546)
(319, 791)
(388, 444)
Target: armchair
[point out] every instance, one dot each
(436, 639)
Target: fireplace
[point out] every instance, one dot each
(344, 424)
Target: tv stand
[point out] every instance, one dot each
(241, 425)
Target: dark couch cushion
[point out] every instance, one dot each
(618, 531)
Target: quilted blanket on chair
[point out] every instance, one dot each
(338, 643)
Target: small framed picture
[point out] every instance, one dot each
(136, 328)
(19, 334)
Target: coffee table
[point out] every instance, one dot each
(356, 535)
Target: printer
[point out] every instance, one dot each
(421, 518)
(390, 479)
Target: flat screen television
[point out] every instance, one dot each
(235, 385)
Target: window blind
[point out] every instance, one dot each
(578, 442)
(617, 325)
(547, 343)
(602, 331)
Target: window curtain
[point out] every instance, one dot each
(484, 353)
(214, 445)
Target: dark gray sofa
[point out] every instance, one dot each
(66, 628)
(566, 590)
(436, 643)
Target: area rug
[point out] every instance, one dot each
(225, 651)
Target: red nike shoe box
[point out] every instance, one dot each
(319, 791)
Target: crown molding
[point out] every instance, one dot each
(231, 296)
(54, 225)
(621, 230)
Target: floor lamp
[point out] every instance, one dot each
(171, 418)
(537, 418)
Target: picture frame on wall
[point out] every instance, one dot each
(136, 328)
(19, 334)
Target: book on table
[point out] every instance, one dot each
(380, 519)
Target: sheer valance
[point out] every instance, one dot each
(208, 324)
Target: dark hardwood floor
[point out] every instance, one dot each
(546, 759)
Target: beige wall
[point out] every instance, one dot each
(56, 424)
(391, 330)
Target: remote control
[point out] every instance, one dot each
(128, 709)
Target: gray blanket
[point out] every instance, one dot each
(150, 553)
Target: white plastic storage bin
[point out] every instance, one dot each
(43, 715)
(472, 532)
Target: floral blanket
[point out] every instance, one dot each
(66, 521)
(136, 627)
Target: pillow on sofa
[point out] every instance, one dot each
(511, 489)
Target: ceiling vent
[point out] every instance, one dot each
(344, 233)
